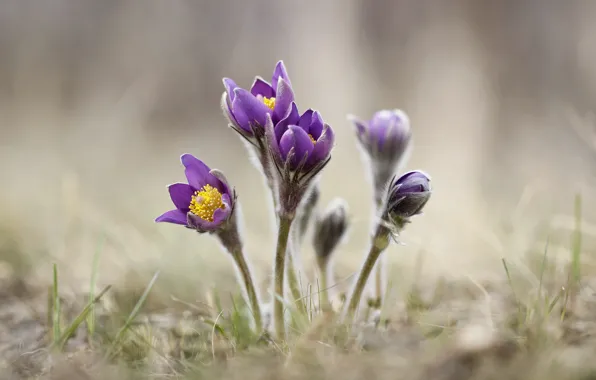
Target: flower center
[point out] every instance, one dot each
(269, 102)
(312, 139)
(204, 202)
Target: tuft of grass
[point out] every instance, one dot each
(133, 314)
(83, 315)
(90, 319)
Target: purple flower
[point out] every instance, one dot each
(385, 137)
(302, 142)
(205, 203)
(407, 195)
(249, 109)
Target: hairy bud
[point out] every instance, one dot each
(330, 228)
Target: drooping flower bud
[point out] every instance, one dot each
(330, 228)
(407, 196)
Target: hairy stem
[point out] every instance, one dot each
(379, 268)
(380, 242)
(323, 265)
(230, 239)
(285, 223)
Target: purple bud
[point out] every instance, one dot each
(407, 196)
(385, 139)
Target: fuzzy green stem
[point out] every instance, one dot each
(285, 223)
(250, 289)
(323, 265)
(379, 267)
(231, 241)
(380, 242)
(380, 264)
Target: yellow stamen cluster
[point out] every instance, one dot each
(269, 102)
(312, 139)
(204, 202)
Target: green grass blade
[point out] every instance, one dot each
(80, 318)
(577, 242)
(90, 320)
(135, 311)
(55, 307)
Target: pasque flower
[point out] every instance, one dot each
(406, 196)
(385, 139)
(301, 144)
(299, 147)
(205, 203)
(247, 110)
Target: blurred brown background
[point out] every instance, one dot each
(99, 98)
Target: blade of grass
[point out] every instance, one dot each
(90, 320)
(55, 307)
(577, 242)
(133, 314)
(542, 270)
(510, 280)
(70, 330)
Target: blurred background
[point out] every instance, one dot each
(98, 99)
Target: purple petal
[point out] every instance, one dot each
(273, 141)
(283, 101)
(323, 147)
(172, 216)
(292, 119)
(197, 173)
(413, 181)
(316, 126)
(230, 86)
(248, 109)
(227, 109)
(181, 195)
(280, 72)
(360, 125)
(225, 185)
(260, 87)
(298, 139)
(306, 119)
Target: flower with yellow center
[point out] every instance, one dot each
(205, 202)
(269, 102)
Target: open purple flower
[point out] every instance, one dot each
(205, 203)
(302, 142)
(407, 196)
(249, 109)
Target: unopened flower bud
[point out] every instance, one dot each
(385, 139)
(330, 228)
(407, 196)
